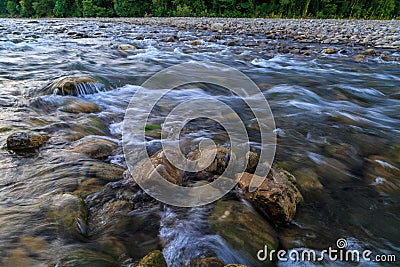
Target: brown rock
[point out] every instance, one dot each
(359, 58)
(161, 164)
(307, 53)
(278, 195)
(68, 85)
(196, 42)
(386, 58)
(80, 106)
(97, 148)
(221, 161)
(369, 52)
(26, 141)
(329, 51)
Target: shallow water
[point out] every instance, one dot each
(337, 120)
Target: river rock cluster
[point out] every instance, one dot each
(295, 36)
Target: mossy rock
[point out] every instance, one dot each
(26, 141)
(242, 227)
(88, 187)
(69, 85)
(104, 171)
(153, 259)
(153, 130)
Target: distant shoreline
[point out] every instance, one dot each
(360, 40)
(368, 33)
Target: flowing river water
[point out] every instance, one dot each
(338, 128)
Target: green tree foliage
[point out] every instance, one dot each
(132, 8)
(3, 7)
(360, 9)
(98, 8)
(60, 8)
(13, 8)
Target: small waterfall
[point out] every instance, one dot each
(89, 88)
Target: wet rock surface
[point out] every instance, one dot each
(26, 141)
(278, 195)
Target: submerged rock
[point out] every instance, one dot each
(105, 171)
(86, 257)
(26, 141)
(243, 228)
(125, 47)
(78, 105)
(94, 147)
(307, 179)
(70, 215)
(278, 195)
(17, 257)
(153, 259)
(88, 187)
(196, 42)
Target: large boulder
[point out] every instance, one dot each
(243, 228)
(26, 141)
(278, 195)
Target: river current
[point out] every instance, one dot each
(337, 124)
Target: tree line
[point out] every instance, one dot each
(358, 9)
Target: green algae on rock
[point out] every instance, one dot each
(153, 259)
